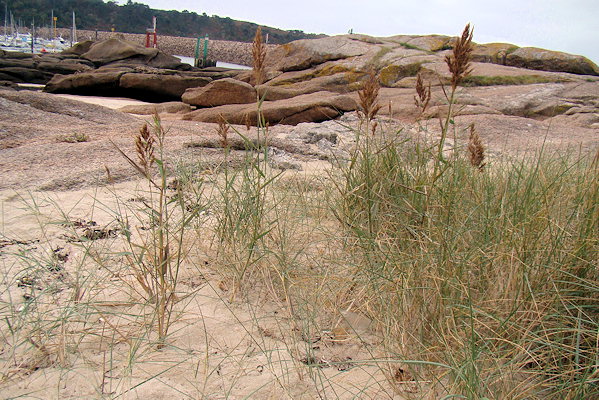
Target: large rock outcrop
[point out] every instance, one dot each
(221, 92)
(301, 71)
(139, 83)
(171, 107)
(130, 70)
(296, 72)
(315, 107)
(37, 68)
(547, 60)
(402, 56)
(114, 49)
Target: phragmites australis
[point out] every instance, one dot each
(423, 94)
(223, 133)
(476, 150)
(258, 55)
(369, 106)
(459, 59)
(144, 146)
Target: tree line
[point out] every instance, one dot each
(135, 17)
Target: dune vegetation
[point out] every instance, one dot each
(413, 268)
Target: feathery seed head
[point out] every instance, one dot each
(369, 106)
(144, 146)
(459, 60)
(223, 132)
(476, 150)
(423, 94)
(258, 55)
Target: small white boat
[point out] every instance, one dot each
(22, 43)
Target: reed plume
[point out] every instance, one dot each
(223, 132)
(459, 66)
(423, 94)
(144, 146)
(258, 55)
(476, 150)
(459, 60)
(369, 106)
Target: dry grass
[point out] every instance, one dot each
(156, 259)
(258, 56)
(423, 95)
(459, 66)
(459, 61)
(476, 150)
(368, 95)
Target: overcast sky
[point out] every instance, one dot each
(566, 25)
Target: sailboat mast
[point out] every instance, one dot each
(33, 35)
(73, 32)
(5, 19)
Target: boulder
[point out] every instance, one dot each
(171, 107)
(492, 52)
(14, 54)
(315, 107)
(144, 84)
(6, 62)
(114, 49)
(63, 67)
(96, 83)
(159, 86)
(330, 77)
(24, 75)
(273, 93)
(306, 53)
(221, 92)
(4, 84)
(547, 60)
(165, 61)
(430, 42)
(79, 48)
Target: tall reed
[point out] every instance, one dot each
(490, 272)
(156, 257)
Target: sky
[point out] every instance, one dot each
(565, 25)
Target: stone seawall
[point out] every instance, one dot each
(219, 50)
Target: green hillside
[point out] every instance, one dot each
(136, 17)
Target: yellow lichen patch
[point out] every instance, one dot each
(331, 69)
(429, 43)
(287, 47)
(392, 73)
(477, 80)
(354, 77)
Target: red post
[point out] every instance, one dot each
(152, 32)
(151, 39)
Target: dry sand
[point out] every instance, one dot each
(218, 348)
